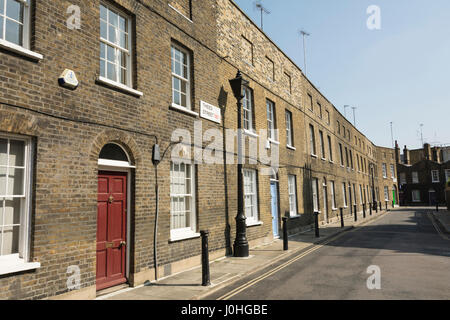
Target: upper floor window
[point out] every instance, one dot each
(247, 106)
(328, 116)
(435, 176)
(271, 125)
(14, 22)
(288, 83)
(392, 171)
(402, 178)
(310, 100)
(447, 175)
(247, 51)
(270, 69)
(341, 154)
(330, 149)
(322, 144)
(115, 46)
(320, 110)
(289, 132)
(415, 177)
(384, 170)
(181, 86)
(312, 138)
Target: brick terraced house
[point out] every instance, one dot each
(80, 190)
(423, 174)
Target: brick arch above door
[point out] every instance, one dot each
(125, 140)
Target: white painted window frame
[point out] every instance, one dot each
(271, 121)
(292, 191)
(254, 217)
(312, 140)
(128, 52)
(315, 194)
(181, 78)
(333, 195)
(435, 173)
(247, 106)
(384, 170)
(20, 261)
(289, 132)
(24, 49)
(189, 232)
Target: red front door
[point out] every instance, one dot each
(111, 229)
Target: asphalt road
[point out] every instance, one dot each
(413, 260)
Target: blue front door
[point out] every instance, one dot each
(274, 194)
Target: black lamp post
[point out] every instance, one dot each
(374, 202)
(241, 249)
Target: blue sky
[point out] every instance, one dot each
(400, 73)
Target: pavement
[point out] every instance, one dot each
(443, 216)
(226, 271)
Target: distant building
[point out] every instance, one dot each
(422, 174)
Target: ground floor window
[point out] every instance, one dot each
(315, 188)
(15, 176)
(344, 194)
(333, 195)
(416, 196)
(250, 196)
(292, 180)
(386, 193)
(182, 200)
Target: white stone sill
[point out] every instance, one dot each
(291, 147)
(17, 265)
(119, 86)
(184, 237)
(20, 50)
(183, 109)
(254, 224)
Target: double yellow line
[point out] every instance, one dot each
(432, 218)
(251, 283)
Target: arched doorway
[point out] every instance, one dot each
(113, 219)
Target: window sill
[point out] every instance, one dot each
(323, 159)
(314, 156)
(250, 133)
(17, 265)
(182, 237)
(295, 217)
(20, 50)
(119, 86)
(291, 147)
(183, 109)
(254, 224)
(334, 209)
(274, 142)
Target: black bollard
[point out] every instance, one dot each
(206, 278)
(356, 213)
(381, 207)
(370, 209)
(342, 217)
(316, 224)
(285, 234)
(387, 209)
(376, 207)
(364, 210)
(393, 204)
